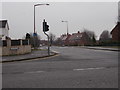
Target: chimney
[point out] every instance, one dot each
(78, 31)
(67, 33)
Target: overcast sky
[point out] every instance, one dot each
(94, 16)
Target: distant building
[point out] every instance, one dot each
(116, 33)
(65, 39)
(43, 42)
(4, 29)
(79, 39)
(75, 39)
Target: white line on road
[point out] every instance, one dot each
(88, 69)
(55, 51)
(35, 72)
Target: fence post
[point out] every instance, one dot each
(21, 42)
(8, 42)
(28, 42)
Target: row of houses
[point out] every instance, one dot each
(82, 38)
(79, 38)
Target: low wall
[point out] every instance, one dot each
(15, 50)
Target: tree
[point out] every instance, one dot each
(52, 38)
(91, 36)
(105, 36)
(58, 42)
(89, 33)
(34, 40)
(119, 18)
(93, 39)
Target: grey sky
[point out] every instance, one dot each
(94, 16)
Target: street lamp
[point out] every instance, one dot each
(34, 13)
(67, 26)
(34, 34)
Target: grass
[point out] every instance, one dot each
(111, 46)
(39, 49)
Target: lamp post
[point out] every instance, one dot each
(34, 21)
(67, 31)
(67, 26)
(34, 12)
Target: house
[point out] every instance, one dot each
(79, 39)
(11, 47)
(65, 39)
(4, 29)
(116, 33)
(75, 38)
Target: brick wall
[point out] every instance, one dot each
(14, 50)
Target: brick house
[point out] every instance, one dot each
(79, 39)
(116, 33)
(75, 38)
(65, 39)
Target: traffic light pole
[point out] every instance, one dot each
(48, 43)
(45, 29)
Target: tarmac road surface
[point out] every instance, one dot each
(74, 67)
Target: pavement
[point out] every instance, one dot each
(33, 55)
(44, 53)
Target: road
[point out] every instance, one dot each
(74, 67)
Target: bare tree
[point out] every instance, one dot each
(34, 40)
(58, 42)
(105, 36)
(119, 18)
(52, 38)
(91, 34)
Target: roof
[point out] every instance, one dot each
(116, 27)
(63, 37)
(3, 24)
(76, 36)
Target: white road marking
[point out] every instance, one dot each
(55, 51)
(35, 72)
(88, 69)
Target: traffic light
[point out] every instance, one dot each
(27, 36)
(45, 26)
